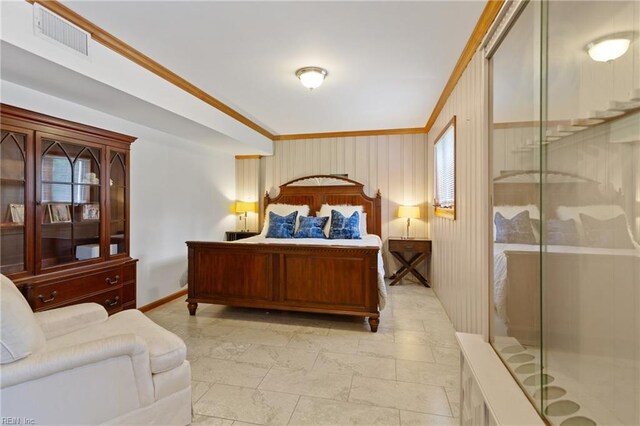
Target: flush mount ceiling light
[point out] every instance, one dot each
(608, 48)
(311, 77)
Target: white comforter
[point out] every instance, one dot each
(369, 240)
(500, 278)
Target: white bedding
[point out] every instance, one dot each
(500, 266)
(370, 240)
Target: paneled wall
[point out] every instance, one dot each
(461, 247)
(395, 165)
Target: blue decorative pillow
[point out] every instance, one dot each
(281, 226)
(344, 228)
(311, 227)
(516, 230)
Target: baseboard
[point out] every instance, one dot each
(162, 301)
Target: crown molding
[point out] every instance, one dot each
(380, 132)
(112, 42)
(487, 17)
(115, 44)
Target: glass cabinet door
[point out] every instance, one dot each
(117, 202)
(13, 170)
(70, 202)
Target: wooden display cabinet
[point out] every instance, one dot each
(64, 211)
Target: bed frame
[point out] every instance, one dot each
(323, 279)
(523, 267)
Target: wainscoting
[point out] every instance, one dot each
(461, 247)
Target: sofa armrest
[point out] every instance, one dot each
(47, 363)
(58, 322)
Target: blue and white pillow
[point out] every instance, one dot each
(281, 226)
(311, 227)
(344, 228)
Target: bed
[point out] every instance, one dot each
(595, 278)
(309, 275)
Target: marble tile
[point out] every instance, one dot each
(400, 395)
(199, 419)
(428, 373)
(198, 389)
(412, 337)
(382, 335)
(268, 356)
(454, 400)
(247, 405)
(397, 350)
(410, 324)
(448, 356)
(444, 336)
(300, 329)
(410, 418)
(358, 364)
(212, 348)
(342, 344)
(194, 330)
(310, 383)
(314, 411)
(244, 323)
(260, 337)
(227, 372)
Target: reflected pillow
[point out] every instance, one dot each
(561, 232)
(311, 227)
(281, 226)
(516, 230)
(608, 233)
(344, 228)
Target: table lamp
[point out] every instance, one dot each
(410, 212)
(245, 207)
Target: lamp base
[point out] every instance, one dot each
(408, 238)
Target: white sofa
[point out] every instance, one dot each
(76, 365)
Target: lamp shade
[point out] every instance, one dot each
(244, 207)
(412, 212)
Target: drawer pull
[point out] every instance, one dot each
(113, 302)
(112, 281)
(50, 299)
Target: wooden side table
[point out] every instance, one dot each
(239, 235)
(421, 249)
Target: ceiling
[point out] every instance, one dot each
(387, 61)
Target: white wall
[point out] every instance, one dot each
(180, 190)
(395, 165)
(460, 247)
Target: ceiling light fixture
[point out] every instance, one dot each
(608, 48)
(311, 77)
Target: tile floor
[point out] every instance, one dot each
(273, 368)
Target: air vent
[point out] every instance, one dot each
(50, 26)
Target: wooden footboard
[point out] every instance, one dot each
(325, 279)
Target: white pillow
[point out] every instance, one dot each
(508, 212)
(20, 334)
(344, 209)
(284, 210)
(600, 212)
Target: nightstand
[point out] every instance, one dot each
(239, 235)
(421, 250)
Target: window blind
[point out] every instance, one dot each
(445, 170)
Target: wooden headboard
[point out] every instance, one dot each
(317, 190)
(520, 188)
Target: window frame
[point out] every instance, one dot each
(446, 212)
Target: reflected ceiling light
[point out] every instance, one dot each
(609, 48)
(311, 77)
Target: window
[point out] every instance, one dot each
(444, 166)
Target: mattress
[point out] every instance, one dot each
(370, 240)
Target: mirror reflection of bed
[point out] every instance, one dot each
(583, 277)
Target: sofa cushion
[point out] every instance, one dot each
(166, 350)
(20, 334)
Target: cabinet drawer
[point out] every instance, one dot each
(420, 246)
(111, 300)
(62, 292)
